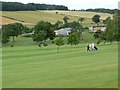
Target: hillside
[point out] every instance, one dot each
(84, 14)
(32, 17)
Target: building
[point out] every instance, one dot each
(96, 28)
(28, 34)
(63, 31)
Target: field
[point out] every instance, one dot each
(4, 20)
(28, 66)
(0, 67)
(84, 14)
(32, 17)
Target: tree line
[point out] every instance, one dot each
(102, 10)
(16, 6)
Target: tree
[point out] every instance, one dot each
(27, 30)
(96, 19)
(73, 39)
(59, 42)
(103, 10)
(15, 6)
(5, 34)
(74, 25)
(107, 20)
(100, 36)
(39, 37)
(81, 20)
(58, 24)
(11, 30)
(65, 19)
(15, 30)
(42, 32)
(46, 27)
(116, 26)
(112, 31)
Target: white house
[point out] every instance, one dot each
(63, 31)
(96, 28)
(28, 34)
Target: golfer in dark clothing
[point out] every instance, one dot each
(88, 48)
(95, 48)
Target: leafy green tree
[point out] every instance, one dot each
(73, 39)
(15, 30)
(11, 30)
(27, 30)
(5, 34)
(58, 24)
(81, 20)
(111, 33)
(107, 20)
(59, 42)
(101, 36)
(66, 18)
(46, 27)
(39, 37)
(96, 19)
(97, 34)
(116, 26)
(76, 27)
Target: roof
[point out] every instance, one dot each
(98, 26)
(64, 29)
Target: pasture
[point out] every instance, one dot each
(30, 18)
(28, 66)
(84, 14)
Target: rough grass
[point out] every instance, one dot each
(32, 17)
(34, 67)
(36, 16)
(84, 14)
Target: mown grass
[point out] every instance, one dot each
(0, 68)
(33, 67)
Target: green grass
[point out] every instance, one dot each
(87, 36)
(0, 68)
(28, 66)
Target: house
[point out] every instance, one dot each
(96, 28)
(63, 31)
(28, 34)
